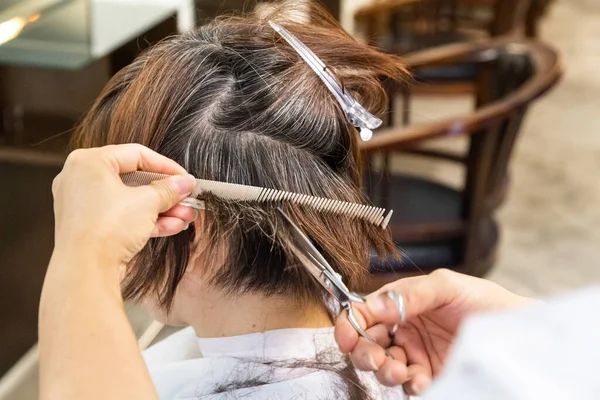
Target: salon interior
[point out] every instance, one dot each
(490, 161)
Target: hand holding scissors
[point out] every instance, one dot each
(320, 269)
(435, 307)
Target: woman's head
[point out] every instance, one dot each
(233, 102)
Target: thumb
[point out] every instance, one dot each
(420, 294)
(170, 191)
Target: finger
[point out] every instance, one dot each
(379, 309)
(133, 157)
(420, 294)
(410, 340)
(168, 226)
(347, 337)
(418, 380)
(160, 196)
(398, 353)
(381, 334)
(392, 373)
(344, 333)
(185, 213)
(367, 356)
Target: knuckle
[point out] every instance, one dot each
(443, 274)
(107, 149)
(137, 146)
(134, 147)
(410, 298)
(79, 157)
(165, 191)
(389, 287)
(56, 183)
(396, 287)
(76, 155)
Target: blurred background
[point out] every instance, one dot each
(489, 156)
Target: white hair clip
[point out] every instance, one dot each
(357, 115)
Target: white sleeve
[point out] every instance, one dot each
(544, 352)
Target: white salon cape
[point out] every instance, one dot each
(545, 352)
(255, 366)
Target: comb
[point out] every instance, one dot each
(233, 191)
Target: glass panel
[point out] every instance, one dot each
(68, 34)
(47, 33)
(56, 55)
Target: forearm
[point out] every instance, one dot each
(87, 347)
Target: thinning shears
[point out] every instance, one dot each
(320, 269)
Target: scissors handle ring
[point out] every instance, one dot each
(399, 302)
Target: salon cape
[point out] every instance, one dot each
(255, 366)
(544, 352)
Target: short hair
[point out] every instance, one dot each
(231, 101)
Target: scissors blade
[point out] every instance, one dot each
(304, 242)
(318, 266)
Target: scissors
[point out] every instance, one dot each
(320, 269)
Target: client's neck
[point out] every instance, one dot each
(252, 313)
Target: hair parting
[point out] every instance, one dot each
(231, 101)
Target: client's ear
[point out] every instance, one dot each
(202, 262)
(198, 228)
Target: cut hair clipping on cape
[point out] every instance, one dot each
(356, 114)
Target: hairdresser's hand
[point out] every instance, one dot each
(436, 305)
(97, 214)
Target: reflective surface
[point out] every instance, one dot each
(68, 34)
(47, 33)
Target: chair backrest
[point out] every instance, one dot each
(491, 146)
(510, 17)
(510, 76)
(394, 24)
(408, 25)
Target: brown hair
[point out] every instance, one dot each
(232, 101)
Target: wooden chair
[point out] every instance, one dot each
(434, 225)
(403, 26)
(536, 12)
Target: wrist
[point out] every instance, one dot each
(86, 252)
(76, 274)
(80, 260)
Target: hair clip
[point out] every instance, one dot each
(357, 115)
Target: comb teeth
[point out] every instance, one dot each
(233, 191)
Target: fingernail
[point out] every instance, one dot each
(376, 305)
(371, 362)
(388, 376)
(185, 183)
(187, 225)
(417, 389)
